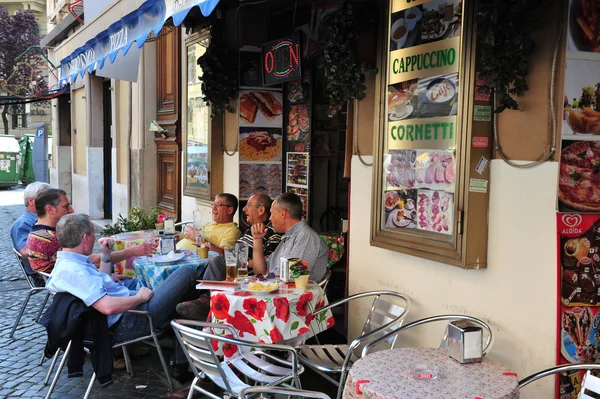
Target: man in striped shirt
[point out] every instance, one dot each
(257, 210)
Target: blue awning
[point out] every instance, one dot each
(134, 27)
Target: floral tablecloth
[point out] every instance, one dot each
(285, 314)
(385, 375)
(152, 275)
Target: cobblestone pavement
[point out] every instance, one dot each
(20, 375)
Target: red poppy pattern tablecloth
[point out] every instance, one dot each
(385, 375)
(281, 315)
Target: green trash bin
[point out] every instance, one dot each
(10, 159)
(26, 166)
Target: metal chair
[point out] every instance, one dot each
(384, 317)
(281, 391)
(559, 369)
(590, 385)
(325, 281)
(32, 290)
(153, 335)
(252, 359)
(447, 317)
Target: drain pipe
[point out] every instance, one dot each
(129, 132)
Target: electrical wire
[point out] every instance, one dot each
(552, 151)
(355, 123)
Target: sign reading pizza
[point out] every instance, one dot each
(282, 60)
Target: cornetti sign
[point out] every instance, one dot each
(282, 60)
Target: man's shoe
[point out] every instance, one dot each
(195, 310)
(118, 364)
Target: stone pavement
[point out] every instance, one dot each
(20, 374)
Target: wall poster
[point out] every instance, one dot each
(297, 176)
(260, 142)
(578, 220)
(423, 90)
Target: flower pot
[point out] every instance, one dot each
(159, 226)
(302, 281)
(202, 252)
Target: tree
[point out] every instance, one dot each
(18, 32)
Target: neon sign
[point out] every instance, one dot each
(282, 60)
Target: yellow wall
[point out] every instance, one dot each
(123, 123)
(79, 132)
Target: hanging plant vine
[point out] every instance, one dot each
(505, 45)
(219, 73)
(344, 76)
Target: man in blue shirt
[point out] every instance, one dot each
(22, 226)
(74, 273)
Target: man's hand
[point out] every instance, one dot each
(144, 294)
(190, 232)
(258, 231)
(106, 246)
(117, 278)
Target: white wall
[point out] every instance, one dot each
(516, 294)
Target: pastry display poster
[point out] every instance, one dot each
(578, 329)
(260, 142)
(422, 103)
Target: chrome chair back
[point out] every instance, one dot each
(590, 386)
(447, 317)
(263, 391)
(253, 360)
(556, 370)
(332, 362)
(325, 281)
(33, 289)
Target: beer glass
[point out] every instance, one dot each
(230, 264)
(241, 249)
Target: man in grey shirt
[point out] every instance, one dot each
(299, 240)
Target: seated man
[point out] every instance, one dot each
(299, 240)
(257, 211)
(42, 244)
(22, 226)
(75, 273)
(222, 231)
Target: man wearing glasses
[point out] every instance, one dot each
(222, 231)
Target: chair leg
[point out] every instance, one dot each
(60, 367)
(43, 358)
(39, 316)
(90, 386)
(191, 392)
(128, 365)
(162, 361)
(51, 368)
(12, 332)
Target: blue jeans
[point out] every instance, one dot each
(161, 307)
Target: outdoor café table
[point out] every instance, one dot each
(385, 375)
(151, 275)
(285, 314)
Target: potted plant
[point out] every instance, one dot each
(138, 220)
(300, 273)
(161, 221)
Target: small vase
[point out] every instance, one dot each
(302, 281)
(159, 226)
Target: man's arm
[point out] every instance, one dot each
(113, 305)
(19, 236)
(259, 263)
(145, 249)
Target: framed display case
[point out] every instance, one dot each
(433, 137)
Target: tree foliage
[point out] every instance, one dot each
(19, 76)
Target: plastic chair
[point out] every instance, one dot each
(281, 391)
(384, 317)
(447, 317)
(153, 335)
(559, 369)
(32, 290)
(325, 281)
(252, 359)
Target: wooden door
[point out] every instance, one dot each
(168, 146)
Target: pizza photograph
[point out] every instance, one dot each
(579, 176)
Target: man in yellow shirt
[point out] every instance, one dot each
(222, 231)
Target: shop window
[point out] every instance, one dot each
(19, 116)
(433, 143)
(197, 123)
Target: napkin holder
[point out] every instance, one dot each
(169, 225)
(284, 267)
(465, 341)
(166, 244)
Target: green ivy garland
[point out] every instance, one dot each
(219, 73)
(344, 77)
(504, 44)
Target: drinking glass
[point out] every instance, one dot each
(230, 264)
(241, 249)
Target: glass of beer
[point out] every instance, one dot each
(230, 264)
(241, 248)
